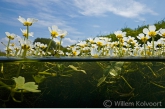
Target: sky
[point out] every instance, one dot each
(82, 19)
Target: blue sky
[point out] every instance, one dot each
(81, 18)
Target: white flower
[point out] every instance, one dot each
(11, 36)
(25, 44)
(82, 44)
(24, 32)
(54, 31)
(142, 37)
(28, 86)
(62, 33)
(95, 52)
(120, 34)
(99, 42)
(75, 52)
(57, 41)
(27, 22)
(150, 31)
(162, 32)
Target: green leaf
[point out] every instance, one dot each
(101, 80)
(38, 78)
(113, 72)
(75, 69)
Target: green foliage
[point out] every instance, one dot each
(2, 53)
(135, 32)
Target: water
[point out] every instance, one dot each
(84, 82)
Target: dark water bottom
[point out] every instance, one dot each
(136, 84)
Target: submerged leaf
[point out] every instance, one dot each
(28, 86)
(101, 80)
(75, 69)
(20, 81)
(113, 72)
(2, 68)
(31, 87)
(38, 78)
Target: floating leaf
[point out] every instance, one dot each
(75, 69)
(101, 80)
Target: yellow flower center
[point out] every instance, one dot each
(119, 36)
(163, 34)
(25, 34)
(25, 47)
(27, 23)
(12, 44)
(74, 53)
(99, 44)
(62, 36)
(54, 34)
(159, 45)
(95, 56)
(144, 39)
(130, 40)
(10, 37)
(152, 33)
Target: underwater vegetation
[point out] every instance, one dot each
(28, 82)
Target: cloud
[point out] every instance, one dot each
(125, 8)
(47, 12)
(95, 26)
(68, 41)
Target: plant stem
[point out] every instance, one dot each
(8, 48)
(157, 85)
(49, 45)
(152, 46)
(19, 69)
(145, 48)
(126, 82)
(151, 70)
(5, 85)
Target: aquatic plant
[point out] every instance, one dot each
(114, 76)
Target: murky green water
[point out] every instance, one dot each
(84, 84)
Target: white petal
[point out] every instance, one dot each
(145, 30)
(21, 30)
(7, 33)
(21, 19)
(34, 20)
(55, 28)
(50, 30)
(162, 31)
(31, 34)
(152, 28)
(29, 20)
(141, 35)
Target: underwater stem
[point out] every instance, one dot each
(5, 85)
(157, 85)
(151, 70)
(127, 82)
(19, 69)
